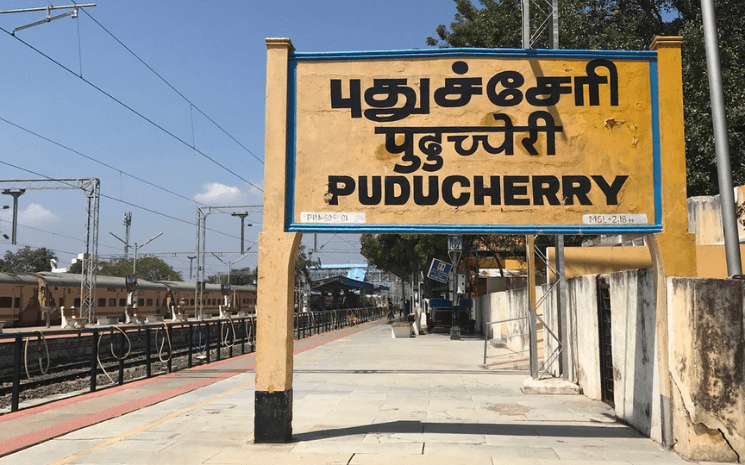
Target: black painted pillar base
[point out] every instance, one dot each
(273, 417)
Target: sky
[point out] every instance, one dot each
(164, 103)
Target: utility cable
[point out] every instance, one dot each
(164, 215)
(42, 368)
(164, 130)
(171, 86)
(167, 338)
(98, 161)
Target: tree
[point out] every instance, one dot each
(240, 277)
(700, 149)
(148, 268)
(631, 25)
(303, 262)
(244, 276)
(403, 254)
(28, 260)
(585, 24)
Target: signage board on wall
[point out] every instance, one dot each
(474, 141)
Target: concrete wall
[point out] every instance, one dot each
(583, 347)
(633, 307)
(707, 366)
(507, 305)
(706, 350)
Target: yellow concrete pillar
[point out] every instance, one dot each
(674, 249)
(277, 252)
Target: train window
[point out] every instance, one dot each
(191, 301)
(76, 302)
(140, 302)
(112, 302)
(102, 302)
(122, 302)
(149, 302)
(6, 302)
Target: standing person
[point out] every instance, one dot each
(391, 315)
(401, 304)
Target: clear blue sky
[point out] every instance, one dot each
(213, 53)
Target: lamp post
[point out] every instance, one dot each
(242, 216)
(15, 193)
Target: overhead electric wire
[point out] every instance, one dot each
(164, 215)
(22, 245)
(164, 130)
(171, 86)
(62, 235)
(99, 162)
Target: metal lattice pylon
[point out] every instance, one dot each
(202, 214)
(92, 189)
(546, 20)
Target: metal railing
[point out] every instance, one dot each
(547, 360)
(147, 344)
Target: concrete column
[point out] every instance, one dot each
(277, 253)
(673, 250)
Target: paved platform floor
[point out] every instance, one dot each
(360, 397)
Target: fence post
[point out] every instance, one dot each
(94, 359)
(15, 394)
(148, 368)
(190, 338)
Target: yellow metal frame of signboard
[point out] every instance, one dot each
(474, 141)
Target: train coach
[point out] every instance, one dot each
(19, 304)
(242, 298)
(57, 290)
(27, 298)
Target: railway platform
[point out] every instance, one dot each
(360, 397)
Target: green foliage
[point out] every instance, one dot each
(27, 260)
(700, 149)
(403, 254)
(303, 262)
(244, 276)
(585, 24)
(239, 277)
(148, 268)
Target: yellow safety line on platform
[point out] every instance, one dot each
(153, 423)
